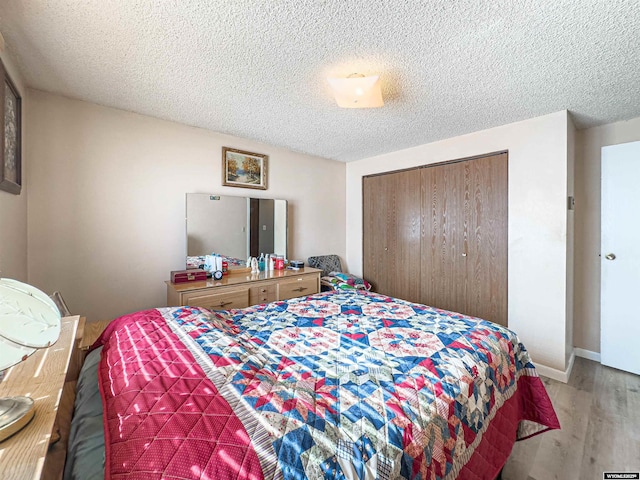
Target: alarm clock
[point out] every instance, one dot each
(217, 275)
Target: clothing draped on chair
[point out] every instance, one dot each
(332, 276)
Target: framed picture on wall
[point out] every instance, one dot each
(10, 134)
(244, 169)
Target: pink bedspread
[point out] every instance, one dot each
(329, 386)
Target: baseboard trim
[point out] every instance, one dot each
(588, 354)
(554, 373)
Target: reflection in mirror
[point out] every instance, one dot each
(234, 227)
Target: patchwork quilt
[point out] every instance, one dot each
(338, 385)
(344, 281)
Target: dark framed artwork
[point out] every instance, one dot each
(10, 134)
(244, 169)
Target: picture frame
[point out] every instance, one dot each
(244, 169)
(10, 134)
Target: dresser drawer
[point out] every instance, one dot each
(241, 291)
(217, 301)
(297, 287)
(262, 294)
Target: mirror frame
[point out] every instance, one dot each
(248, 199)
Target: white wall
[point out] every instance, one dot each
(587, 279)
(107, 201)
(13, 208)
(538, 182)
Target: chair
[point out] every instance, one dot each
(60, 303)
(333, 278)
(326, 263)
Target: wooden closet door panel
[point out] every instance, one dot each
(443, 283)
(391, 233)
(486, 246)
(374, 205)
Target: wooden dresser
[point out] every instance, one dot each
(49, 377)
(242, 290)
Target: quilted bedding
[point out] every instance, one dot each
(342, 385)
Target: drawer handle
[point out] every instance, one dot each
(263, 290)
(300, 289)
(222, 304)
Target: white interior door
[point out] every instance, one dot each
(620, 251)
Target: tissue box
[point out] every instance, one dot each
(193, 275)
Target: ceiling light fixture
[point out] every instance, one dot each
(357, 91)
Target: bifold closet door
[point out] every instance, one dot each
(443, 281)
(486, 200)
(391, 233)
(464, 245)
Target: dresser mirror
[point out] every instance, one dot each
(234, 227)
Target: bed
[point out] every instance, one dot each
(339, 385)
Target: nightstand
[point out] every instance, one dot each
(92, 330)
(42, 377)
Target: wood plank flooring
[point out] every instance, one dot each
(599, 411)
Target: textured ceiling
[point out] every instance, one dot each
(257, 69)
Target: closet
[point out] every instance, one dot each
(437, 235)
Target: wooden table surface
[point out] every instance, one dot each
(41, 377)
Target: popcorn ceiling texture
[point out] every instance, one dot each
(256, 69)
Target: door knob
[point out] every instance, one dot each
(610, 256)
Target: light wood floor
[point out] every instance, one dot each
(599, 412)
